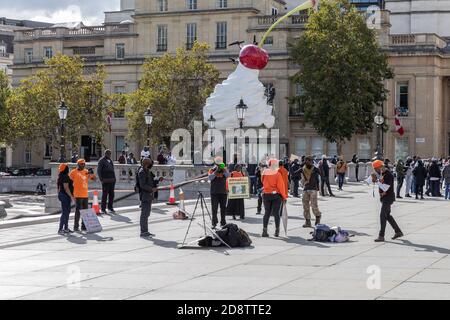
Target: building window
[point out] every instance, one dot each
(3, 50)
(191, 35)
(402, 99)
(48, 52)
(222, 4)
(120, 144)
(28, 156)
(300, 146)
(192, 4)
(28, 55)
(162, 38)
(48, 148)
(268, 41)
(364, 149)
(80, 51)
(163, 5)
(221, 35)
(269, 93)
(317, 146)
(401, 148)
(274, 11)
(297, 109)
(120, 51)
(119, 90)
(332, 149)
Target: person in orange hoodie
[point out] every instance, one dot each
(284, 174)
(80, 177)
(274, 194)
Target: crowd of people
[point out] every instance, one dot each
(271, 181)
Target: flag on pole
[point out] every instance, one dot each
(398, 125)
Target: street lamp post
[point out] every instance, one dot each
(241, 109)
(148, 120)
(62, 112)
(379, 121)
(212, 126)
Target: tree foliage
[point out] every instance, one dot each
(5, 92)
(175, 88)
(342, 72)
(36, 101)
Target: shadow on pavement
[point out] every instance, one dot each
(83, 239)
(424, 247)
(358, 234)
(163, 243)
(119, 218)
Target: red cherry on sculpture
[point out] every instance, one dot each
(254, 57)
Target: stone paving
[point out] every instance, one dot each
(35, 263)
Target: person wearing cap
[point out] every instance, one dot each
(65, 196)
(420, 175)
(218, 178)
(107, 176)
(310, 180)
(274, 194)
(385, 180)
(80, 177)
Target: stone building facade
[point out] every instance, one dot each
(150, 28)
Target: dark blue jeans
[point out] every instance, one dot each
(65, 206)
(341, 180)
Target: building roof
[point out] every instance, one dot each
(23, 23)
(69, 25)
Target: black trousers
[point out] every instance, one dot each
(325, 181)
(146, 208)
(385, 217)
(400, 181)
(260, 202)
(296, 186)
(272, 206)
(419, 190)
(108, 195)
(219, 200)
(80, 204)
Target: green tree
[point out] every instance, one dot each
(5, 92)
(175, 88)
(342, 72)
(35, 102)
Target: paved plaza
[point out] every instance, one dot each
(35, 263)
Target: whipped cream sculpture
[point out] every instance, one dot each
(244, 84)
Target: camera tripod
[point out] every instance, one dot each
(202, 202)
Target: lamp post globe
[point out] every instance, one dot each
(62, 113)
(148, 116)
(212, 122)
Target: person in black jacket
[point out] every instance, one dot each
(259, 186)
(295, 174)
(420, 175)
(218, 178)
(385, 180)
(147, 187)
(324, 169)
(435, 178)
(107, 176)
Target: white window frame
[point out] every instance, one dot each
(191, 34)
(120, 51)
(298, 150)
(364, 153)
(163, 5)
(401, 148)
(317, 152)
(28, 53)
(192, 4)
(222, 34)
(162, 37)
(48, 52)
(398, 95)
(222, 4)
(28, 156)
(274, 11)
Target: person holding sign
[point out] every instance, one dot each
(80, 177)
(385, 180)
(274, 194)
(236, 207)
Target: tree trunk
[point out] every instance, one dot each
(339, 148)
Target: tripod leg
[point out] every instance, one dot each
(203, 214)
(190, 223)
(206, 206)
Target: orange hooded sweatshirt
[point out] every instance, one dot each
(273, 182)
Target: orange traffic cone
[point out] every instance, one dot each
(95, 204)
(172, 201)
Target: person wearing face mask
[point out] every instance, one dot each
(385, 180)
(80, 177)
(310, 178)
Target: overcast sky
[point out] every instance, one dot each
(88, 11)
